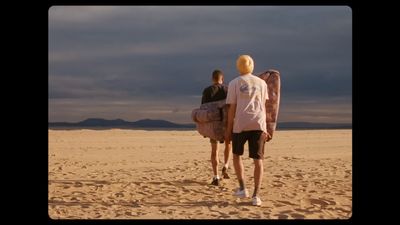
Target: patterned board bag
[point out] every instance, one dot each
(273, 80)
(211, 118)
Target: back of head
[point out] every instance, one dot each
(245, 64)
(217, 76)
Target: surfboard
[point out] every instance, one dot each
(272, 78)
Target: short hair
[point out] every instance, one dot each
(245, 64)
(217, 74)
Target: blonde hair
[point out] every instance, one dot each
(245, 64)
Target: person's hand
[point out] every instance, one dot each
(265, 136)
(268, 137)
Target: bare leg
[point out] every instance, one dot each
(214, 158)
(226, 158)
(258, 174)
(239, 169)
(227, 154)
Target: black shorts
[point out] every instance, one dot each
(253, 137)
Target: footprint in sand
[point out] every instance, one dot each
(246, 209)
(56, 199)
(223, 216)
(287, 175)
(278, 184)
(297, 216)
(285, 211)
(78, 184)
(340, 193)
(320, 203)
(66, 186)
(281, 216)
(287, 203)
(255, 215)
(278, 205)
(119, 194)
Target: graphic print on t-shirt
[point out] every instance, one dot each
(249, 90)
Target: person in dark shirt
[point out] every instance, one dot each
(217, 91)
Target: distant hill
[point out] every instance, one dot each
(149, 123)
(119, 123)
(306, 125)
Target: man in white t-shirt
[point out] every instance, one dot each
(247, 96)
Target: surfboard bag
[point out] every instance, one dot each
(211, 119)
(272, 78)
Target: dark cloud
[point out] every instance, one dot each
(159, 55)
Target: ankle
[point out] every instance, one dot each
(241, 185)
(256, 192)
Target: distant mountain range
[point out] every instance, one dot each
(118, 123)
(306, 125)
(148, 123)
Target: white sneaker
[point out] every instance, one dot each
(256, 201)
(242, 193)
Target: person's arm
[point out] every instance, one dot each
(229, 128)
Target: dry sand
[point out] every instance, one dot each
(137, 174)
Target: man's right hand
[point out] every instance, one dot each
(269, 137)
(265, 137)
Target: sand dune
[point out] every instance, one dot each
(136, 174)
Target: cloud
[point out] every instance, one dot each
(76, 15)
(166, 54)
(317, 109)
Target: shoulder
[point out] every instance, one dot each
(208, 88)
(257, 78)
(234, 81)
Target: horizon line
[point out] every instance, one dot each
(189, 122)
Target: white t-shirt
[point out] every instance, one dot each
(249, 93)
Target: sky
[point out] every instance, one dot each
(139, 62)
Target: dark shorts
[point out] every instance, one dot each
(256, 147)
